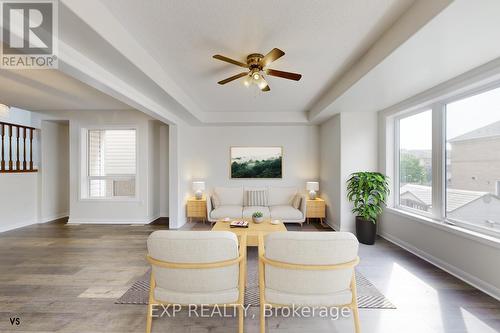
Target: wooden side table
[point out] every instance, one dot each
(315, 209)
(197, 208)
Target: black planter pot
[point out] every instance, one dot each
(366, 231)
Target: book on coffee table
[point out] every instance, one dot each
(239, 224)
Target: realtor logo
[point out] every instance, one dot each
(29, 34)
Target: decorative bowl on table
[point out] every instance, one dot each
(258, 217)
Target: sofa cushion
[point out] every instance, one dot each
(219, 297)
(309, 248)
(325, 299)
(281, 195)
(285, 212)
(229, 195)
(249, 210)
(232, 211)
(215, 200)
(256, 198)
(253, 188)
(194, 247)
(297, 199)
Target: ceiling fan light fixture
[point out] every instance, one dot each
(256, 65)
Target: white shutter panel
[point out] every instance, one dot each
(111, 153)
(119, 152)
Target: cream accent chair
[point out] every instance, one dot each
(196, 268)
(308, 269)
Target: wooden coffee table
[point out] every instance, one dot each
(253, 231)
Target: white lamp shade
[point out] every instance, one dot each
(198, 186)
(312, 186)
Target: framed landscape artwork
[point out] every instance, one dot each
(256, 162)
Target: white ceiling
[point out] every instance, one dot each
(321, 40)
(47, 90)
(439, 51)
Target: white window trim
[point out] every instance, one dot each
(83, 165)
(443, 225)
(475, 82)
(396, 175)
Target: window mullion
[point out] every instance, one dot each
(438, 161)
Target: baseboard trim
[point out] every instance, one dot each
(332, 225)
(54, 217)
(5, 228)
(483, 286)
(29, 223)
(108, 221)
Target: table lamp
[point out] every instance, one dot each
(198, 188)
(312, 187)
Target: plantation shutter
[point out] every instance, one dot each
(111, 162)
(111, 152)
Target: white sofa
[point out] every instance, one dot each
(279, 204)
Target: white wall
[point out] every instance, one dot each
(114, 210)
(54, 170)
(158, 182)
(164, 170)
(358, 153)
(18, 200)
(153, 170)
(203, 153)
(19, 205)
(447, 247)
(46, 195)
(348, 144)
(463, 253)
(330, 185)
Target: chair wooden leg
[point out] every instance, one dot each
(354, 305)
(262, 318)
(149, 318)
(241, 316)
(355, 315)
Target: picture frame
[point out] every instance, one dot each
(256, 162)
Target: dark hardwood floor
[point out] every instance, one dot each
(65, 278)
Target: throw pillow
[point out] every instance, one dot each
(297, 200)
(257, 198)
(215, 201)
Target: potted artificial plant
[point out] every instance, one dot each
(368, 192)
(258, 217)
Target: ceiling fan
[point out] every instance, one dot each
(257, 65)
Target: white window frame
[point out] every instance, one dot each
(397, 153)
(84, 166)
(438, 107)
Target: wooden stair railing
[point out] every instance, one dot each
(7, 164)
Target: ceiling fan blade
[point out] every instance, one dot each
(231, 61)
(273, 55)
(285, 75)
(266, 88)
(232, 78)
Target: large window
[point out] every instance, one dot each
(415, 161)
(111, 163)
(448, 161)
(473, 161)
